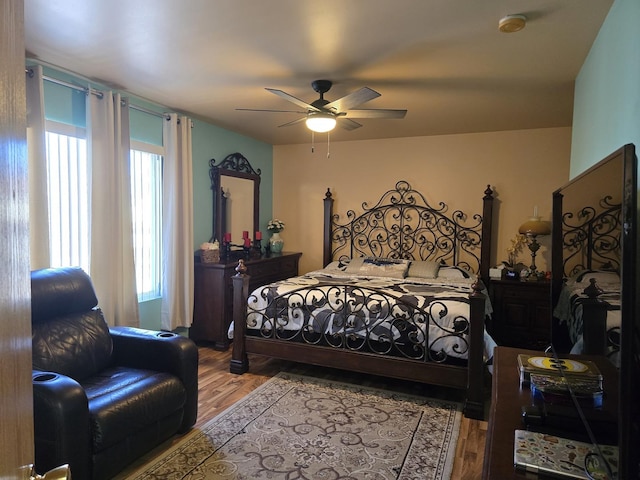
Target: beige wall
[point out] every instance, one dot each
(524, 167)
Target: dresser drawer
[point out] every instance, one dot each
(521, 313)
(272, 271)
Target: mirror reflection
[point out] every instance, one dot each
(238, 193)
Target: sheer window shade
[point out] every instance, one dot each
(69, 180)
(146, 200)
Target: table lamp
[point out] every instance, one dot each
(533, 228)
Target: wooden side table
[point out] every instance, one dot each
(507, 399)
(213, 299)
(521, 313)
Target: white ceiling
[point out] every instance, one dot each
(445, 61)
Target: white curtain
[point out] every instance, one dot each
(177, 220)
(112, 261)
(38, 185)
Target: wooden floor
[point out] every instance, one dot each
(219, 389)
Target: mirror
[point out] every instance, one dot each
(236, 198)
(594, 229)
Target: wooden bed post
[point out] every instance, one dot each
(487, 230)
(594, 320)
(474, 402)
(557, 268)
(239, 359)
(326, 240)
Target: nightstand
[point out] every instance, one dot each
(521, 313)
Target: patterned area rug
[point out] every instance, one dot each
(297, 427)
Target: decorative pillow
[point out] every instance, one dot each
(601, 276)
(336, 266)
(353, 265)
(379, 267)
(452, 272)
(423, 269)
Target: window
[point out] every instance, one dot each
(146, 203)
(69, 183)
(69, 202)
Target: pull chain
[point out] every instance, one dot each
(328, 144)
(313, 148)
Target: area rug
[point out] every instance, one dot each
(301, 427)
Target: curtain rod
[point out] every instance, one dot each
(98, 93)
(150, 112)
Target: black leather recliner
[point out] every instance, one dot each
(102, 396)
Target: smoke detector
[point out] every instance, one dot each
(512, 23)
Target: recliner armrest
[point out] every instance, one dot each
(61, 423)
(163, 352)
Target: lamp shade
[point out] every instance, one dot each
(320, 122)
(534, 227)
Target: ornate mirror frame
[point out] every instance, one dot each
(234, 167)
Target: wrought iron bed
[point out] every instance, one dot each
(586, 276)
(400, 226)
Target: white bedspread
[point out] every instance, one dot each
(368, 308)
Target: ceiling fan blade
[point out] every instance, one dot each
(347, 123)
(268, 110)
(375, 113)
(293, 99)
(353, 99)
(293, 122)
(261, 110)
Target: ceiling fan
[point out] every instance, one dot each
(322, 115)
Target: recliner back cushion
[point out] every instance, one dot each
(56, 292)
(77, 345)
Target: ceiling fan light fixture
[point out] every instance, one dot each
(512, 23)
(321, 122)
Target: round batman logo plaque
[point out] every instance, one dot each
(550, 363)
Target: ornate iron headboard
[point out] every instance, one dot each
(591, 238)
(402, 224)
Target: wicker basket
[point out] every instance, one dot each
(209, 256)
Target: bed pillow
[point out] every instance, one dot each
(452, 272)
(423, 269)
(379, 267)
(601, 276)
(336, 266)
(352, 264)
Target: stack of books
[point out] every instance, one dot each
(557, 390)
(554, 380)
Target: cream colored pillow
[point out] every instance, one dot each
(452, 272)
(379, 267)
(354, 265)
(423, 269)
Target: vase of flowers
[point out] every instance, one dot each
(276, 242)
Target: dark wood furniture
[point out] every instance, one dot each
(521, 313)
(595, 226)
(507, 399)
(213, 306)
(236, 197)
(403, 225)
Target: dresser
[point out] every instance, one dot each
(521, 313)
(505, 413)
(213, 307)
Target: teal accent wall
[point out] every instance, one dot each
(210, 141)
(66, 105)
(606, 112)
